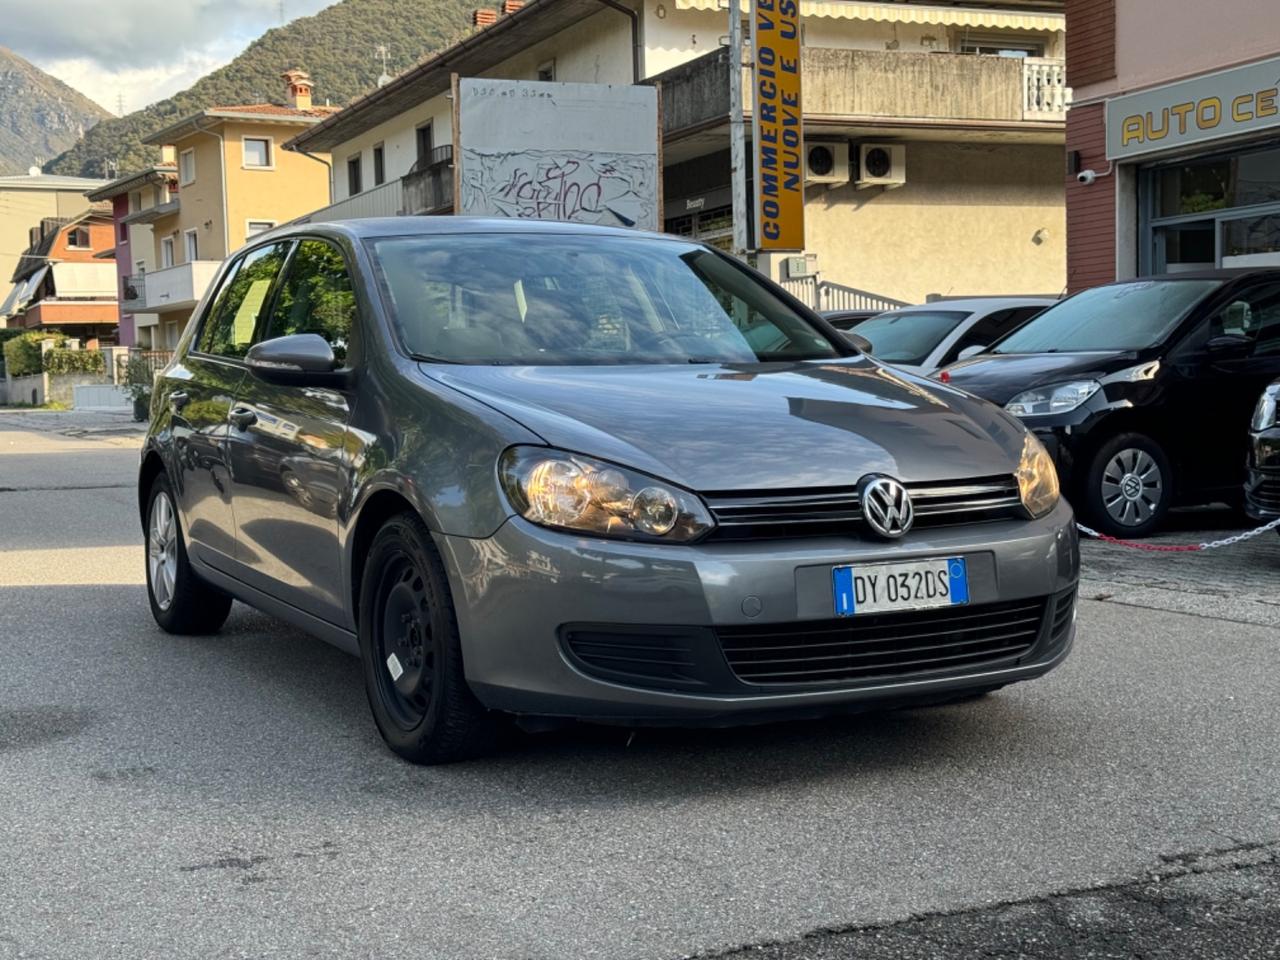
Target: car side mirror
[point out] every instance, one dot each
(290, 358)
(859, 341)
(1227, 346)
(970, 351)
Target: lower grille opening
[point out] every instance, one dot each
(651, 656)
(883, 645)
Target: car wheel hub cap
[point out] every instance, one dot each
(1132, 487)
(405, 647)
(162, 550)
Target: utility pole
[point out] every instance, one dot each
(737, 132)
(383, 54)
(282, 12)
(119, 104)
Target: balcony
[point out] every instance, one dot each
(884, 87)
(430, 189)
(382, 201)
(134, 295)
(179, 287)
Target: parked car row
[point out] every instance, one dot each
(1140, 390)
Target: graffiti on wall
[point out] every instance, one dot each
(539, 150)
(578, 185)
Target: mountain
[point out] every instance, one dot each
(336, 46)
(40, 116)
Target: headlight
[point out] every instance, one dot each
(572, 492)
(1037, 478)
(1060, 398)
(1264, 414)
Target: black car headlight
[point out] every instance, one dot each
(569, 491)
(1037, 478)
(1058, 398)
(1264, 414)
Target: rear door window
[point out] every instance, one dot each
(238, 309)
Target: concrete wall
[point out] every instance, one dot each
(964, 223)
(1158, 41)
(62, 387)
(29, 391)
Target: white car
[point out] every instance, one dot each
(927, 337)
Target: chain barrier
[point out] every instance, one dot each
(1182, 547)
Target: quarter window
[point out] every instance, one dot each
(316, 297)
(233, 318)
(1255, 314)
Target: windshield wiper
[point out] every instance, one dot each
(425, 358)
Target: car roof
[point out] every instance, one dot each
(374, 227)
(975, 304)
(1224, 273)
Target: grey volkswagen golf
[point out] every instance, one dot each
(553, 471)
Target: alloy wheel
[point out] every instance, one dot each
(1132, 487)
(406, 654)
(162, 550)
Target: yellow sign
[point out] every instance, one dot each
(777, 125)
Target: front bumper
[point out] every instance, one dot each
(1262, 488)
(523, 594)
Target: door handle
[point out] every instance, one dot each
(242, 417)
(177, 401)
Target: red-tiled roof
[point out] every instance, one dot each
(275, 110)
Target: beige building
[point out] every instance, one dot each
(25, 202)
(233, 182)
(967, 103)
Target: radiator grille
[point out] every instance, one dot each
(836, 511)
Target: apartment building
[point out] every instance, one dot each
(1173, 142)
(965, 102)
(65, 279)
(230, 181)
(27, 200)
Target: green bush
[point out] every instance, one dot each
(22, 353)
(138, 377)
(74, 361)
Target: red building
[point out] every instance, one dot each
(66, 278)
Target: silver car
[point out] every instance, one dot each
(927, 337)
(558, 472)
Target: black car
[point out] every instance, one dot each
(1141, 389)
(1262, 488)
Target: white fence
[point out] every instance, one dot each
(825, 295)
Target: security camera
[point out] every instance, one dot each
(1087, 176)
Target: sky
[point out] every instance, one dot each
(138, 50)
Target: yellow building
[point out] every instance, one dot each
(234, 182)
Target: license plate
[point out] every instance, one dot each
(887, 587)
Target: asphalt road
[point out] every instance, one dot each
(229, 796)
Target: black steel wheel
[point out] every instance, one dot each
(412, 654)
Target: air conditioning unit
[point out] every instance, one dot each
(827, 162)
(882, 165)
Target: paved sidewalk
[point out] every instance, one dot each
(106, 424)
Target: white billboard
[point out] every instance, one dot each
(583, 152)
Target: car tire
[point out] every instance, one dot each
(1128, 487)
(181, 602)
(412, 654)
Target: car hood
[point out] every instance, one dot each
(999, 377)
(753, 426)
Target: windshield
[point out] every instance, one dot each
(585, 300)
(909, 336)
(1122, 316)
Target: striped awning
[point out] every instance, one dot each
(911, 13)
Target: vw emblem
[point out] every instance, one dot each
(886, 506)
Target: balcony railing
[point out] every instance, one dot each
(178, 287)
(1045, 94)
(134, 294)
(430, 189)
(864, 85)
(382, 201)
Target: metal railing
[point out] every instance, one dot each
(430, 189)
(153, 360)
(826, 295)
(1045, 94)
(135, 292)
